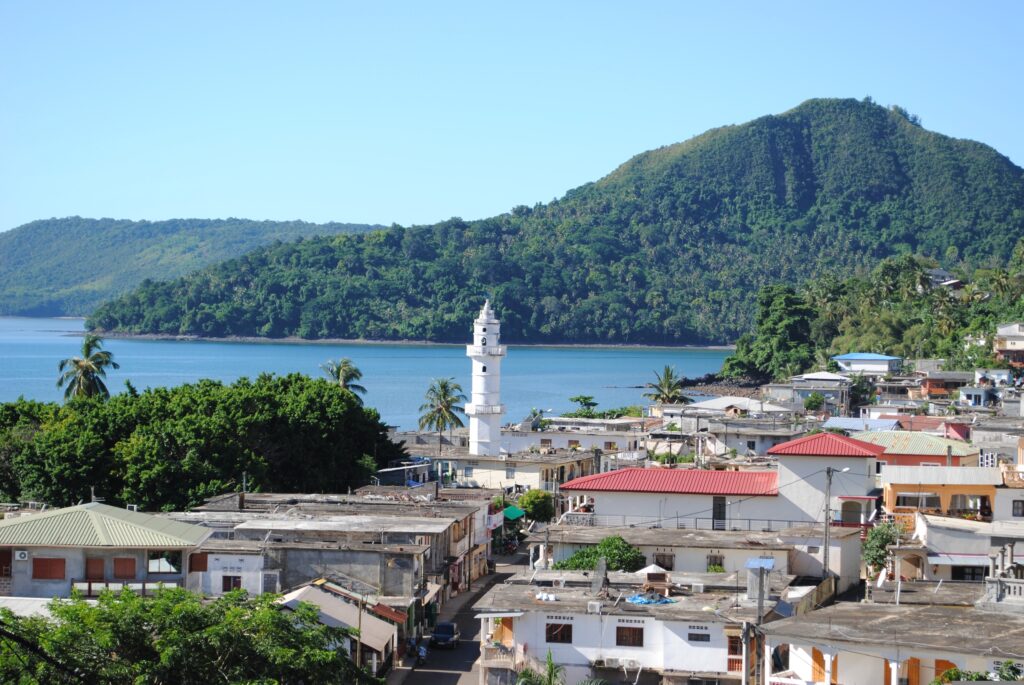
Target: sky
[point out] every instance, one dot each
(415, 112)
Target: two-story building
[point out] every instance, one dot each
(868, 363)
(1008, 344)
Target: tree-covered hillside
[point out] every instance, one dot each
(669, 248)
(66, 267)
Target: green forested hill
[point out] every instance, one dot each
(69, 266)
(671, 247)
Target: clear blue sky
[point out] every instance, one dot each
(415, 112)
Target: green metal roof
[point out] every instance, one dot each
(512, 512)
(913, 442)
(99, 525)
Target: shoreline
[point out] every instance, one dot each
(292, 340)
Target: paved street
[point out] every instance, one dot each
(458, 666)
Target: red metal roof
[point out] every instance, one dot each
(827, 445)
(680, 482)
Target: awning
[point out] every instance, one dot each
(500, 614)
(512, 512)
(943, 559)
(432, 590)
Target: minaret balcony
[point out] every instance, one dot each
(483, 409)
(485, 350)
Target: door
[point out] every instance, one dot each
(718, 513)
(941, 666)
(93, 568)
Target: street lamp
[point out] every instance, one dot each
(828, 515)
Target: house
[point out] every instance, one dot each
(856, 425)
(833, 387)
(937, 385)
(907, 448)
(544, 468)
(92, 547)
(951, 490)
(944, 427)
(375, 640)
(795, 551)
(644, 628)
(753, 499)
(950, 548)
(868, 363)
(887, 644)
(1008, 344)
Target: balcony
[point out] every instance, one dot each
(93, 588)
(578, 518)
(1004, 590)
(485, 350)
(498, 656)
(480, 409)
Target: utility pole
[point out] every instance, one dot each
(828, 520)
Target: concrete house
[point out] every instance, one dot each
(93, 547)
(907, 448)
(1008, 344)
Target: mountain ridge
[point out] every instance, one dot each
(668, 248)
(68, 266)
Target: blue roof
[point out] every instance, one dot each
(864, 357)
(854, 424)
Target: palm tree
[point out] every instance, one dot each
(343, 372)
(83, 376)
(440, 409)
(668, 389)
(553, 674)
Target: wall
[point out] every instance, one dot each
(521, 441)
(248, 566)
(22, 584)
(863, 669)
(625, 508)
(692, 559)
(945, 492)
(665, 642)
(802, 483)
(807, 558)
(300, 565)
(1002, 508)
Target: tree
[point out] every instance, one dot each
(782, 339)
(667, 388)
(553, 674)
(586, 402)
(174, 637)
(875, 550)
(619, 554)
(441, 410)
(83, 376)
(539, 505)
(343, 372)
(814, 401)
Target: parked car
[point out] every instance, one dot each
(445, 635)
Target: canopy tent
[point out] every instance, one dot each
(512, 512)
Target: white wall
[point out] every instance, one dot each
(521, 441)
(1002, 508)
(626, 508)
(802, 483)
(248, 566)
(665, 642)
(694, 559)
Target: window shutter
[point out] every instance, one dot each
(124, 568)
(197, 562)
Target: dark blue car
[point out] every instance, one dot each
(445, 635)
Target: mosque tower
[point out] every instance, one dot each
(485, 408)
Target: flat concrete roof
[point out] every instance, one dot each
(354, 523)
(917, 628)
(699, 607)
(662, 537)
(945, 593)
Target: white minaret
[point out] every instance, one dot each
(485, 408)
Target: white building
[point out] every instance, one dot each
(485, 409)
(868, 363)
(794, 494)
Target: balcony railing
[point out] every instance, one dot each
(735, 664)
(575, 518)
(498, 656)
(1005, 590)
(485, 350)
(93, 588)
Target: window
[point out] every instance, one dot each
(735, 656)
(124, 568)
(1018, 507)
(918, 500)
(611, 446)
(666, 561)
(484, 369)
(93, 568)
(574, 443)
(545, 442)
(229, 583)
(164, 562)
(467, 472)
(483, 342)
(716, 563)
(197, 562)
(878, 466)
(699, 637)
(510, 472)
(558, 633)
(44, 568)
(629, 636)
(976, 573)
(751, 445)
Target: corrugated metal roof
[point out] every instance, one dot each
(98, 525)
(914, 442)
(864, 357)
(680, 482)
(827, 445)
(857, 424)
(334, 611)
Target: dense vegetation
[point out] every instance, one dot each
(170, 448)
(67, 267)
(668, 248)
(617, 553)
(175, 637)
(896, 309)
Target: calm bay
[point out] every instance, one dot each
(395, 376)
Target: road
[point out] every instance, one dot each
(458, 666)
